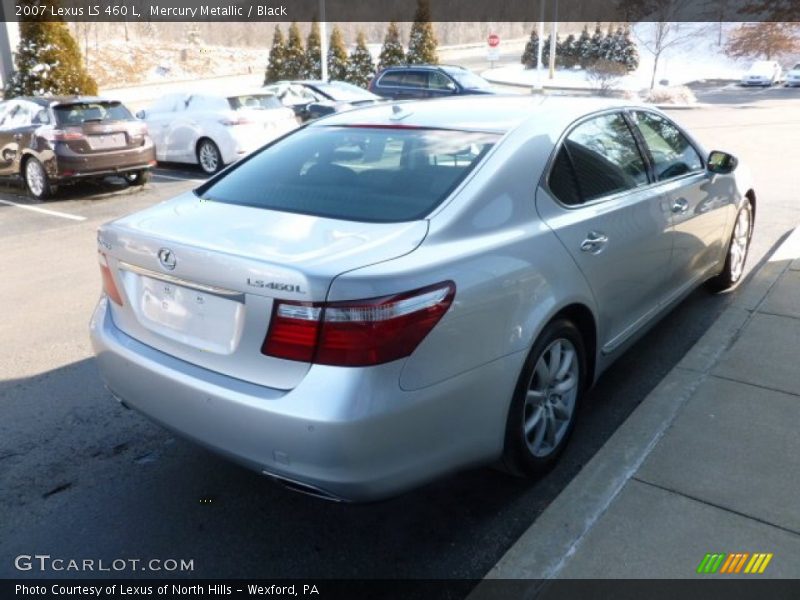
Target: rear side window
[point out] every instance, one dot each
(414, 79)
(391, 78)
(354, 173)
(599, 158)
(75, 114)
(671, 152)
(254, 102)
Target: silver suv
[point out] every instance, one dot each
(393, 293)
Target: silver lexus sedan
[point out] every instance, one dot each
(393, 293)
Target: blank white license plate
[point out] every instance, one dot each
(199, 319)
(106, 141)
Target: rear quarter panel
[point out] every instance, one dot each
(511, 273)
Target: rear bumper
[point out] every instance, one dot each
(69, 165)
(351, 434)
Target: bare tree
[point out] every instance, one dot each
(770, 40)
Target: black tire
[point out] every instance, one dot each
(734, 261)
(36, 180)
(208, 156)
(520, 456)
(137, 177)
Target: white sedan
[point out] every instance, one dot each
(212, 130)
(763, 72)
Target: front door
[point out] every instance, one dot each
(599, 203)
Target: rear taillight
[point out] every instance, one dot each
(68, 134)
(356, 333)
(109, 287)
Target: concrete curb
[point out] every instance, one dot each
(543, 550)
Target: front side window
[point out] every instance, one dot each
(354, 173)
(598, 158)
(439, 81)
(671, 152)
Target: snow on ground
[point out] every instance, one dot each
(698, 58)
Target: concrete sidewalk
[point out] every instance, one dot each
(708, 463)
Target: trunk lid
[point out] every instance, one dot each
(97, 127)
(198, 278)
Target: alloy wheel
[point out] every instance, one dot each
(739, 243)
(35, 177)
(209, 157)
(551, 397)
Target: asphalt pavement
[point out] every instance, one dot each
(83, 478)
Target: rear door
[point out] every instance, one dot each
(700, 204)
(599, 203)
(15, 131)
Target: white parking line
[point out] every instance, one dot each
(177, 178)
(46, 211)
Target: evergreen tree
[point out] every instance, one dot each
(361, 69)
(423, 43)
(392, 53)
(606, 49)
(313, 52)
(294, 64)
(583, 48)
(531, 52)
(567, 52)
(546, 50)
(337, 56)
(596, 45)
(277, 57)
(48, 61)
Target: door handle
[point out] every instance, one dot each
(594, 242)
(681, 205)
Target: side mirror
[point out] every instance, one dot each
(140, 114)
(721, 162)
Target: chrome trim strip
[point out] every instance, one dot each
(210, 289)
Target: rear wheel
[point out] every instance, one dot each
(137, 177)
(209, 157)
(546, 400)
(36, 179)
(738, 248)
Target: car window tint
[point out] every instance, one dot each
(439, 81)
(415, 79)
(391, 78)
(354, 173)
(81, 112)
(254, 102)
(605, 157)
(672, 153)
(562, 180)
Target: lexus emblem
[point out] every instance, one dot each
(166, 258)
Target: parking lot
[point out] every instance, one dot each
(84, 478)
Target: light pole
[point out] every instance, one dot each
(539, 86)
(323, 42)
(553, 39)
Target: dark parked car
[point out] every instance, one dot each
(312, 99)
(428, 81)
(53, 140)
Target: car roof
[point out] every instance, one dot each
(56, 100)
(497, 113)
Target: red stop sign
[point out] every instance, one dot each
(494, 40)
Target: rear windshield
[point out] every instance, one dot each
(75, 114)
(254, 101)
(354, 173)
